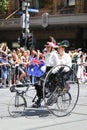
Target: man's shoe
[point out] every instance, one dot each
(37, 104)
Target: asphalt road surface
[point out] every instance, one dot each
(41, 119)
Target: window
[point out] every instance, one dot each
(41, 3)
(44, 3)
(35, 4)
(69, 2)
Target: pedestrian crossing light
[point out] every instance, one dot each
(21, 40)
(30, 38)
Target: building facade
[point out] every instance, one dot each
(62, 19)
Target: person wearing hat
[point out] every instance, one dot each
(63, 56)
(65, 59)
(51, 59)
(51, 56)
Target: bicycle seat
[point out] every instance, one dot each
(20, 85)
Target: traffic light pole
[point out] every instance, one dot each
(27, 31)
(25, 18)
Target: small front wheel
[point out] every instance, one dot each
(16, 105)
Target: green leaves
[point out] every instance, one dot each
(3, 5)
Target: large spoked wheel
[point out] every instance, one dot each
(16, 105)
(61, 90)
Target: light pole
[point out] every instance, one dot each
(27, 31)
(25, 19)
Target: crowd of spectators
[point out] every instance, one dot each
(79, 60)
(15, 63)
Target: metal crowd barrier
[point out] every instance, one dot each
(75, 68)
(13, 74)
(82, 70)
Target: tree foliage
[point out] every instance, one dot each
(3, 6)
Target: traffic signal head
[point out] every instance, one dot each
(30, 39)
(21, 40)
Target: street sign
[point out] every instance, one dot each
(33, 10)
(29, 10)
(45, 20)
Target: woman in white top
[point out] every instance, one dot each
(63, 71)
(51, 59)
(63, 56)
(66, 60)
(51, 56)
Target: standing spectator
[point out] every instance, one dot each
(4, 69)
(11, 69)
(81, 68)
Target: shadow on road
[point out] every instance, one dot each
(34, 112)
